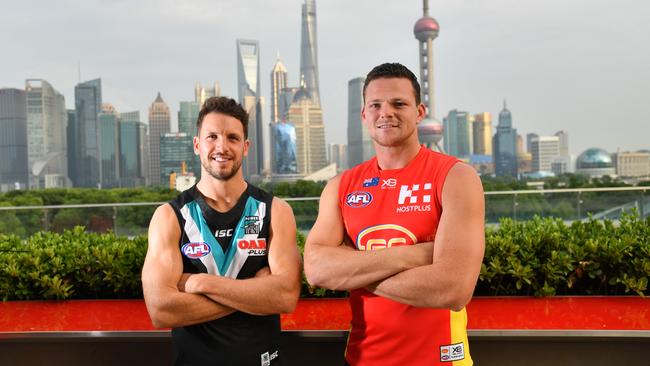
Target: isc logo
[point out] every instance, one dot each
(384, 236)
(358, 199)
(195, 250)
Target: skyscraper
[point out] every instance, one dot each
(110, 144)
(426, 30)
(188, 113)
(283, 148)
(544, 150)
(175, 150)
(88, 104)
(46, 140)
(505, 145)
(130, 128)
(458, 127)
(72, 144)
(563, 137)
(309, 51)
(13, 139)
(307, 117)
(482, 134)
(159, 124)
(360, 146)
(278, 83)
(248, 71)
(187, 116)
(202, 93)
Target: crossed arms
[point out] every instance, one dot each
(438, 274)
(176, 299)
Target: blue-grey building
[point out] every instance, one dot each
(188, 113)
(13, 139)
(458, 131)
(504, 145)
(109, 136)
(175, 150)
(283, 137)
(131, 170)
(72, 145)
(360, 146)
(88, 102)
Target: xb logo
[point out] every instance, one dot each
(384, 236)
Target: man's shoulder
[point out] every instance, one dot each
(259, 193)
(183, 198)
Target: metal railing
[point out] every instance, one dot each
(131, 219)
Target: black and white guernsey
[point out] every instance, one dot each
(231, 244)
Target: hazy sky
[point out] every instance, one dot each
(581, 65)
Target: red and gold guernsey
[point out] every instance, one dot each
(386, 208)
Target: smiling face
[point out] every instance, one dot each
(391, 113)
(221, 146)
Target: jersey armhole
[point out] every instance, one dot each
(443, 172)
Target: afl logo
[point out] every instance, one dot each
(358, 199)
(195, 250)
(384, 236)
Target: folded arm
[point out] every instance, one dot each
(449, 281)
(331, 264)
(161, 273)
(270, 292)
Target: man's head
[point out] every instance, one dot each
(392, 70)
(223, 105)
(222, 140)
(392, 107)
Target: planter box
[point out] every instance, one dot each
(606, 313)
(503, 331)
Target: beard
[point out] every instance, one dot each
(222, 175)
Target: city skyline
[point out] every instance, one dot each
(560, 66)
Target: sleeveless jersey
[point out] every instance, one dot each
(385, 208)
(231, 244)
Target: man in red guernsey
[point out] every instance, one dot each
(404, 232)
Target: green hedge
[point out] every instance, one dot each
(540, 257)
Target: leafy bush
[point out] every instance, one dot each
(545, 256)
(541, 257)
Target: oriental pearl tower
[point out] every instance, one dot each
(426, 30)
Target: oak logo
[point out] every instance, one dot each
(254, 247)
(384, 236)
(358, 199)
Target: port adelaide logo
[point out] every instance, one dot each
(251, 225)
(195, 250)
(358, 199)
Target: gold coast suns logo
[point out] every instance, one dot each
(384, 236)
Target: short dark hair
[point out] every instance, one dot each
(223, 105)
(393, 70)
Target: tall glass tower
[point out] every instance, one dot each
(88, 103)
(504, 145)
(309, 51)
(13, 139)
(248, 72)
(46, 128)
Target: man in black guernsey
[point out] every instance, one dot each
(222, 261)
